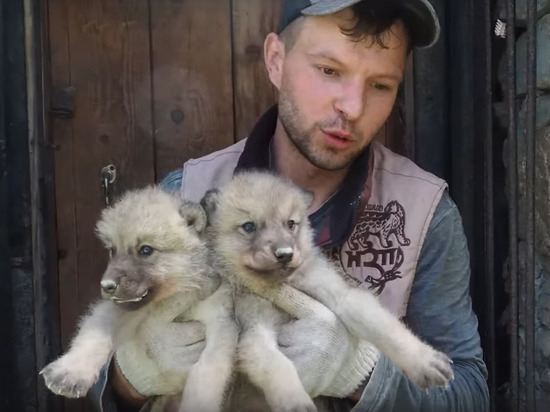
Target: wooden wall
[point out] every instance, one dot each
(143, 85)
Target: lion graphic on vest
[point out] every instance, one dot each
(381, 224)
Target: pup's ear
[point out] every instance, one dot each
(210, 201)
(194, 216)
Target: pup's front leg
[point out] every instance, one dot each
(209, 378)
(422, 364)
(262, 361)
(367, 319)
(74, 373)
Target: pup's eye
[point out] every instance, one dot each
(112, 251)
(291, 224)
(249, 227)
(145, 250)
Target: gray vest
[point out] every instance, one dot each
(396, 209)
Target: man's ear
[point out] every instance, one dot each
(194, 216)
(210, 201)
(274, 57)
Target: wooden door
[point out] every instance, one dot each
(143, 85)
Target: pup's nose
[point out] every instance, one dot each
(284, 254)
(109, 286)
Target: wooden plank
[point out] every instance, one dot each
(192, 90)
(42, 202)
(22, 323)
(254, 93)
(64, 173)
(8, 378)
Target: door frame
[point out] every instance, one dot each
(27, 239)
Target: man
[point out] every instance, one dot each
(392, 226)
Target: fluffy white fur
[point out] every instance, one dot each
(254, 219)
(174, 281)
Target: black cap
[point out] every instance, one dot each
(418, 15)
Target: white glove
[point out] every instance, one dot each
(329, 361)
(159, 359)
(361, 358)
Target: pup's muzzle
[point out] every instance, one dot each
(284, 254)
(108, 287)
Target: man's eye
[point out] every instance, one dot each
(328, 71)
(145, 250)
(249, 227)
(381, 87)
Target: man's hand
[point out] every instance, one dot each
(329, 361)
(123, 390)
(157, 362)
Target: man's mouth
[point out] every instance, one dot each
(131, 300)
(338, 133)
(338, 136)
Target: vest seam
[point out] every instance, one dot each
(447, 213)
(211, 158)
(439, 183)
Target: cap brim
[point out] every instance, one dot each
(420, 16)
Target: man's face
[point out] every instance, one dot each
(334, 93)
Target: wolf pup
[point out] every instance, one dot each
(263, 243)
(157, 272)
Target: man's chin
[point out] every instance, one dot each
(324, 157)
(330, 164)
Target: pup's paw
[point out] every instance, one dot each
(68, 377)
(429, 368)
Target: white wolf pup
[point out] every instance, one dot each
(157, 272)
(263, 244)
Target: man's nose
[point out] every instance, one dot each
(351, 103)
